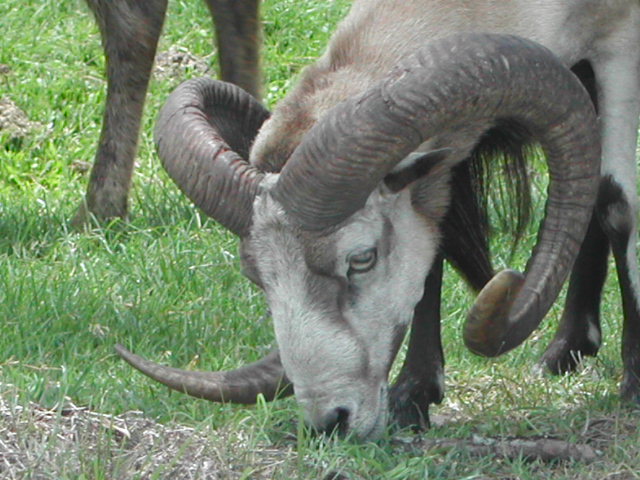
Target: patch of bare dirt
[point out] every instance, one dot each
(75, 442)
(177, 61)
(14, 121)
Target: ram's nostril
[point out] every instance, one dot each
(337, 420)
(343, 415)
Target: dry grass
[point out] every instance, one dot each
(68, 442)
(75, 442)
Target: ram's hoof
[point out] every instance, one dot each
(409, 414)
(488, 320)
(630, 388)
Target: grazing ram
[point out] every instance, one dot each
(130, 30)
(343, 202)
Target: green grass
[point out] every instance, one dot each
(168, 284)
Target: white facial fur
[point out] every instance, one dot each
(338, 332)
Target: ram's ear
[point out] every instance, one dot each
(415, 166)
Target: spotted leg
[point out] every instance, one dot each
(618, 79)
(618, 216)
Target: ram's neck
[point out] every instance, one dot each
(320, 88)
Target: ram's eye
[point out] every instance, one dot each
(363, 261)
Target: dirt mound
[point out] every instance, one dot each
(13, 121)
(74, 442)
(175, 62)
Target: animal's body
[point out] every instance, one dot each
(130, 30)
(346, 240)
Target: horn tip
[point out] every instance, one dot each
(488, 321)
(129, 357)
(121, 350)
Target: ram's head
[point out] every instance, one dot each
(342, 239)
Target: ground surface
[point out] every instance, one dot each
(167, 284)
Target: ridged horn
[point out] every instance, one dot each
(203, 135)
(470, 79)
(243, 385)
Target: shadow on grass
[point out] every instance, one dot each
(32, 227)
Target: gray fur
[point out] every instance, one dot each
(604, 33)
(338, 328)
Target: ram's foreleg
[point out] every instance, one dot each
(130, 31)
(421, 379)
(464, 245)
(617, 214)
(618, 202)
(579, 333)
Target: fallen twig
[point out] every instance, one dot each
(545, 449)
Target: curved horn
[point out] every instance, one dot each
(462, 81)
(243, 385)
(203, 131)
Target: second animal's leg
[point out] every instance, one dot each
(238, 37)
(130, 31)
